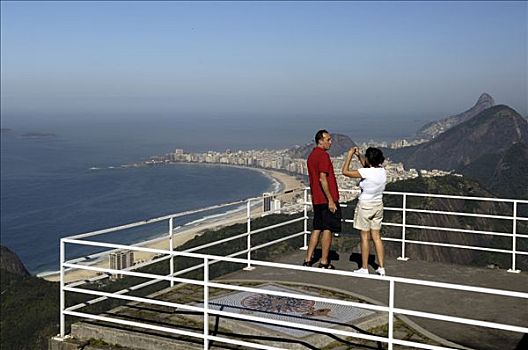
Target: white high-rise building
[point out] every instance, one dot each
(120, 260)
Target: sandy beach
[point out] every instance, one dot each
(184, 234)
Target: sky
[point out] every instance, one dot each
(259, 60)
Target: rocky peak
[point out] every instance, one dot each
(485, 99)
(435, 128)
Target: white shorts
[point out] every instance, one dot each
(368, 215)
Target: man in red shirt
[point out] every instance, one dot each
(325, 199)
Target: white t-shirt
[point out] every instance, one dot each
(372, 184)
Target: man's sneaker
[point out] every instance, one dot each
(362, 271)
(380, 271)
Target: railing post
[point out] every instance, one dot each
(206, 304)
(391, 313)
(62, 296)
(305, 236)
(171, 248)
(404, 217)
(249, 267)
(514, 239)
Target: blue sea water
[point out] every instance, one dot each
(48, 190)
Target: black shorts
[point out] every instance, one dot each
(324, 219)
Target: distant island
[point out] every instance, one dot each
(39, 134)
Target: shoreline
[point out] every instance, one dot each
(281, 182)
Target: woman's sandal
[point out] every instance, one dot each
(327, 266)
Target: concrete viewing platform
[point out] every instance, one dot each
(479, 306)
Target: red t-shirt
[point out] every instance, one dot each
(319, 162)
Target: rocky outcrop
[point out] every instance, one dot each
(435, 128)
(10, 262)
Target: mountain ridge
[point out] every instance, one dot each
(472, 145)
(435, 128)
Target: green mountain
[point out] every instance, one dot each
(486, 145)
(505, 173)
(29, 306)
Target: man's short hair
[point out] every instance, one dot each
(319, 135)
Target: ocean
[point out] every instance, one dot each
(48, 190)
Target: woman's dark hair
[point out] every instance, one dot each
(319, 135)
(374, 156)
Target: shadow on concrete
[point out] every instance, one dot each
(217, 332)
(356, 258)
(523, 344)
(333, 255)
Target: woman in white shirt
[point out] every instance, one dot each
(369, 210)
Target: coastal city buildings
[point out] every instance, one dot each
(282, 161)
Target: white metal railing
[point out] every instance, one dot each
(206, 260)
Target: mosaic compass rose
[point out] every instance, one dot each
(272, 303)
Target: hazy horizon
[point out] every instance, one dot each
(342, 64)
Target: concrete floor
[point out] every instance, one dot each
(479, 306)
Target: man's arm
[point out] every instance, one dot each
(324, 184)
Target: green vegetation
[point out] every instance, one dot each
(30, 313)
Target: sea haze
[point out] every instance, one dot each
(49, 191)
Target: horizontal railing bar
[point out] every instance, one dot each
(212, 244)
(487, 216)
(212, 311)
(246, 289)
(133, 298)
(195, 211)
(415, 194)
(130, 268)
(390, 239)
(392, 209)
(277, 240)
(148, 283)
(448, 245)
(135, 274)
(461, 320)
(413, 344)
(133, 324)
(278, 225)
(139, 244)
(302, 268)
(177, 273)
(153, 220)
(491, 233)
